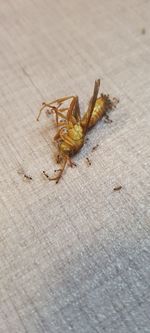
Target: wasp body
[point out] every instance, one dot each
(72, 140)
(71, 134)
(102, 105)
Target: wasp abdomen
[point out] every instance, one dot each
(102, 105)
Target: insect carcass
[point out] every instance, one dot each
(72, 128)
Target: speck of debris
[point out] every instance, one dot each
(143, 31)
(117, 188)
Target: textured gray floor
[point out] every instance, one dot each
(74, 257)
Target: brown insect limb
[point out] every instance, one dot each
(61, 123)
(59, 113)
(57, 177)
(60, 171)
(58, 159)
(55, 110)
(65, 137)
(58, 101)
(73, 112)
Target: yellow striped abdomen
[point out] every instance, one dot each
(102, 105)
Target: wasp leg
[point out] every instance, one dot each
(63, 136)
(57, 177)
(57, 109)
(57, 135)
(42, 108)
(59, 158)
(71, 163)
(57, 113)
(66, 138)
(53, 109)
(73, 111)
(61, 123)
(59, 101)
(60, 171)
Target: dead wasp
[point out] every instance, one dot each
(72, 127)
